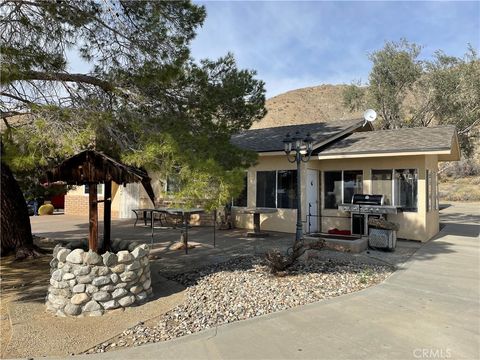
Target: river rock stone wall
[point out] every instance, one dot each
(84, 283)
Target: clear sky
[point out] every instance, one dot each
(299, 44)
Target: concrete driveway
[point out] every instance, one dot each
(428, 309)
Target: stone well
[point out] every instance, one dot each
(84, 283)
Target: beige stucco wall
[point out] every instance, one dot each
(418, 225)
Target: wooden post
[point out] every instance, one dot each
(93, 217)
(107, 216)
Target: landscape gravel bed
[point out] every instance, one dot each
(243, 288)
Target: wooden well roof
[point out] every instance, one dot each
(94, 167)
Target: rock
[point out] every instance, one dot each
(68, 276)
(72, 283)
(62, 254)
(124, 257)
(142, 278)
(60, 313)
(144, 261)
(109, 305)
(141, 296)
(119, 293)
(132, 246)
(118, 268)
(136, 289)
(57, 275)
(63, 292)
(91, 289)
(102, 270)
(73, 310)
(60, 265)
(59, 284)
(149, 291)
(82, 270)
(121, 285)
(133, 266)
(86, 279)
(114, 278)
(126, 301)
(79, 299)
(67, 267)
(101, 296)
(92, 258)
(80, 288)
(57, 300)
(128, 276)
(108, 288)
(56, 249)
(147, 284)
(92, 306)
(109, 259)
(139, 272)
(76, 256)
(101, 280)
(139, 252)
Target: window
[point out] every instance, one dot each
(429, 190)
(276, 189)
(99, 189)
(352, 184)
(382, 184)
(432, 190)
(405, 186)
(241, 200)
(286, 184)
(340, 187)
(266, 186)
(333, 189)
(399, 187)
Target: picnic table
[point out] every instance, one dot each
(256, 212)
(184, 213)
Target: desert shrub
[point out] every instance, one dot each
(46, 209)
(461, 169)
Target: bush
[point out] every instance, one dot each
(461, 169)
(46, 209)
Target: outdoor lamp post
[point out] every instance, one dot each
(302, 150)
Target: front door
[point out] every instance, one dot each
(312, 201)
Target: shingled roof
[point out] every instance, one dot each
(271, 139)
(440, 139)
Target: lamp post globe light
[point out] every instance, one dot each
(298, 150)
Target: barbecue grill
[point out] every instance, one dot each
(364, 206)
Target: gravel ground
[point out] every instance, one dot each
(243, 288)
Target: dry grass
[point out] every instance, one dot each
(461, 189)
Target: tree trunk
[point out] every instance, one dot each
(16, 234)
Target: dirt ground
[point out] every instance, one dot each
(21, 281)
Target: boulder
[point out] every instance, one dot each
(126, 301)
(79, 288)
(92, 258)
(128, 276)
(73, 310)
(124, 257)
(101, 296)
(109, 305)
(76, 256)
(92, 306)
(118, 293)
(119, 268)
(139, 252)
(79, 299)
(109, 259)
(101, 280)
(62, 254)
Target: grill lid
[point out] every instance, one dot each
(367, 199)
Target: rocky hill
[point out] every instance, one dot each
(307, 105)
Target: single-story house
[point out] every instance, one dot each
(348, 157)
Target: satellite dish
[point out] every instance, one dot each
(369, 116)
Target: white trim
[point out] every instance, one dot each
(352, 156)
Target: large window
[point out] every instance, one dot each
(340, 186)
(276, 189)
(352, 184)
(241, 200)
(333, 189)
(382, 184)
(286, 183)
(399, 187)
